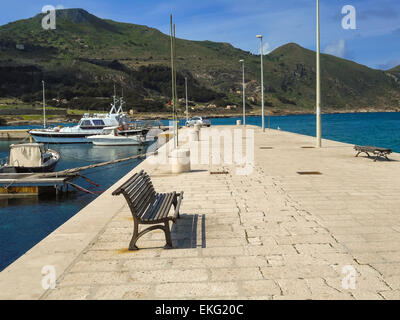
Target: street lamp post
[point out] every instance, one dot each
(262, 85)
(244, 95)
(187, 107)
(318, 93)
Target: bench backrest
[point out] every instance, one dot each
(139, 193)
(372, 149)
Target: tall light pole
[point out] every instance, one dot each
(262, 84)
(187, 106)
(318, 102)
(44, 107)
(173, 81)
(244, 95)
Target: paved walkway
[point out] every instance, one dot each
(274, 234)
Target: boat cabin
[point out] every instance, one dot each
(92, 124)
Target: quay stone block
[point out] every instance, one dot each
(168, 275)
(235, 274)
(197, 290)
(260, 288)
(69, 293)
(123, 292)
(93, 278)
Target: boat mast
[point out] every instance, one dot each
(121, 102)
(44, 107)
(113, 109)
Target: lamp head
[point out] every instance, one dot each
(241, 60)
(259, 36)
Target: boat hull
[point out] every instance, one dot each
(7, 169)
(60, 138)
(115, 142)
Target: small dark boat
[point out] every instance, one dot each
(30, 158)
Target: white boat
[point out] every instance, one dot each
(30, 158)
(118, 136)
(89, 125)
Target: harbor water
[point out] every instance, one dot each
(25, 222)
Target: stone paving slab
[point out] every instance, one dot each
(273, 234)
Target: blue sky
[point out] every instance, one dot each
(375, 42)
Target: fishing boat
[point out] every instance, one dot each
(120, 136)
(89, 125)
(30, 158)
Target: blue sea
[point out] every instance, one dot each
(25, 222)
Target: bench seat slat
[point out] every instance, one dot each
(138, 188)
(151, 211)
(163, 212)
(134, 184)
(127, 183)
(144, 203)
(138, 197)
(168, 203)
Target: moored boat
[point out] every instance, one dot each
(30, 158)
(118, 136)
(89, 125)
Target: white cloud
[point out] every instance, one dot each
(336, 48)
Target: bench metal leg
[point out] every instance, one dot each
(137, 235)
(381, 155)
(167, 236)
(175, 203)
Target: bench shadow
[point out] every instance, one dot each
(380, 159)
(189, 232)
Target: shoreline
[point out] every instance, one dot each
(165, 116)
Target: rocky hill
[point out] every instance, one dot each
(82, 59)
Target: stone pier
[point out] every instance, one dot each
(303, 223)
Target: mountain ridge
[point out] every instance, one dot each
(87, 54)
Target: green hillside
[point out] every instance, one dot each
(86, 55)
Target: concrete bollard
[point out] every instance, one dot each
(197, 127)
(239, 122)
(194, 135)
(163, 138)
(180, 160)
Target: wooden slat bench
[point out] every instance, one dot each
(378, 152)
(149, 207)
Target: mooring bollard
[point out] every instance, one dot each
(163, 138)
(180, 160)
(239, 122)
(194, 135)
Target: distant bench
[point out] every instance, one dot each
(149, 207)
(378, 152)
